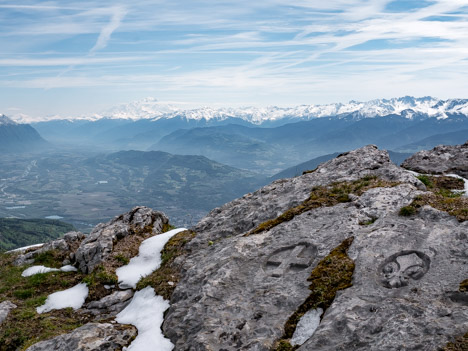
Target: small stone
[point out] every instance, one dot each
(5, 308)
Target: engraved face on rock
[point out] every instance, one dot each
(399, 269)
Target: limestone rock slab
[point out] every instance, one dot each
(237, 292)
(442, 159)
(90, 337)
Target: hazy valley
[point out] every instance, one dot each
(74, 170)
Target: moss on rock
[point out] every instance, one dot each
(24, 326)
(325, 196)
(333, 273)
(464, 285)
(454, 206)
(164, 280)
(459, 344)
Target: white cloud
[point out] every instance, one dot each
(104, 36)
(239, 50)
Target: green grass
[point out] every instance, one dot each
(122, 259)
(168, 271)
(426, 180)
(51, 258)
(24, 326)
(441, 197)
(369, 222)
(407, 211)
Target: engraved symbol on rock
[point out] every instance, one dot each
(399, 269)
(291, 258)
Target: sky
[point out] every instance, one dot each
(71, 58)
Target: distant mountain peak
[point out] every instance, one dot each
(148, 107)
(4, 120)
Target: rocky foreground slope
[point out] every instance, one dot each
(374, 257)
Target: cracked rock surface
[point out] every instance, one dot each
(237, 292)
(442, 159)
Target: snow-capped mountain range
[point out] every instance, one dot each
(151, 108)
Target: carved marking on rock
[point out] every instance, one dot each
(401, 268)
(291, 258)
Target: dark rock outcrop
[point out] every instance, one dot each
(90, 337)
(99, 244)
(237, 291)
(440, 160)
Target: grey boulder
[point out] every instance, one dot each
(99, 244)
(442, 159)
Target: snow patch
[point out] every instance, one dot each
(146, 313)
(68, 268)
(306, 326)
(147, 261)
(37, 269)
(24, 248)
(42, 269)
(465, 191)
(73, 297)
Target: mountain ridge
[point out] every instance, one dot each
(16, 137)
(151, 108)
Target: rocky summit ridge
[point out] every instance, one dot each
(373, 254)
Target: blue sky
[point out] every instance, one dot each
(76, 57)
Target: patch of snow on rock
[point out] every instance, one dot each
(306, 326)
(24, 248)
(147, 261)
(73, 297)
(37, 269)
(146, 313)
(42, 269)
(68, 268)
(465, 191)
